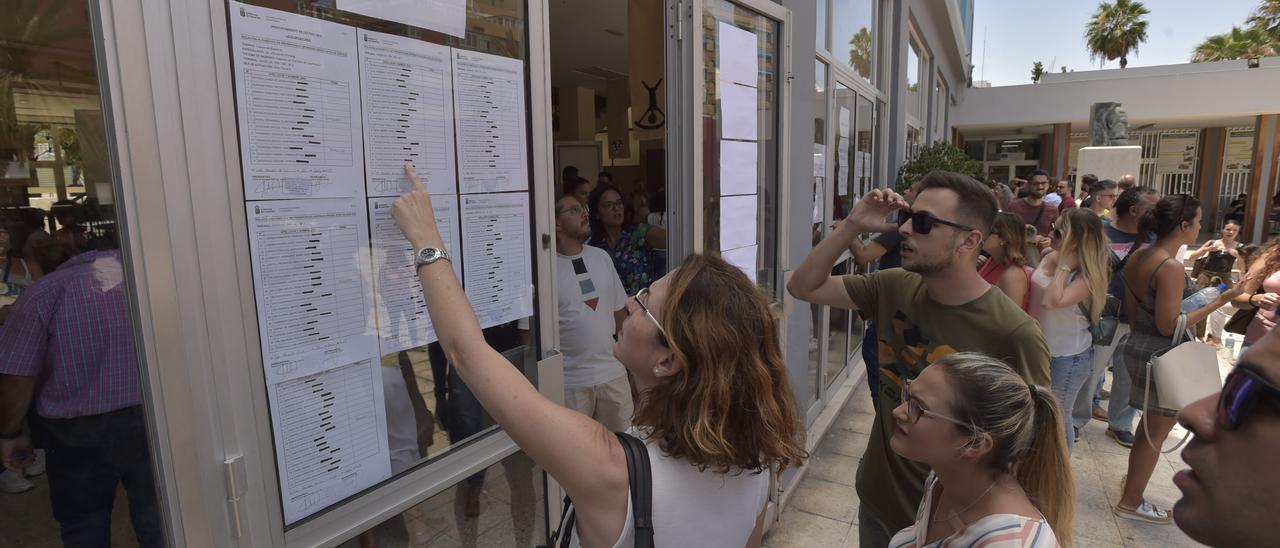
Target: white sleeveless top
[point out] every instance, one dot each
(693, 508)
(1066, 330)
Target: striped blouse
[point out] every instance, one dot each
(994, 531)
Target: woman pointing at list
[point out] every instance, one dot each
(715, 415)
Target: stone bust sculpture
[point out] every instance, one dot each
(1108, 125)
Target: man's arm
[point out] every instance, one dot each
(16, 393)
(812, 280)
(1031, 354)
(864, 254)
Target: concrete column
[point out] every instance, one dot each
(1058, 151)
(898, 36)
(1213, 143)
(1262, 182)
(577, 114)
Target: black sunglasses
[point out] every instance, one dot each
(922, 221)
(1240, 394)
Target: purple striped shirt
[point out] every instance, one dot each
(71, 330)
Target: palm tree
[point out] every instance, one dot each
(1266, 17)
(860, 52)
(1037, 72)
(1237, 44)
(1116, 30)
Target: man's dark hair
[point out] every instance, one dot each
(1099, 186)
(605, 174)
(975, 205)
(1130, 199)
(1087, 181)
(569, 173)
(1039, 172)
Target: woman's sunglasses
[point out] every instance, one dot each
(922, 222)
(1240, 394)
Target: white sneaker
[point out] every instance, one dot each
(37, 465)
(13, 482)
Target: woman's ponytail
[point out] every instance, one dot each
(1045, 470)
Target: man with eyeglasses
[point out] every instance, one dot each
(1062, 195)
(1033, 209)
(1102, 197)
(935, 305)
(592, 304)
(1229, 491)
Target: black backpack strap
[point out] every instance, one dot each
(569, 517)
(640, 476)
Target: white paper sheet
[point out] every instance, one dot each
(745, 259)
(298, 105)
(495, 240)
(447, 16)
(738, 167)
(738, 55)
(330, 433)
(488, 95)
(737, 221)
(407, 90)
(842, 174)
(403, 322)
(739, 112)
(311, 276)
(819, 160)
(819, 198)
(844, 122)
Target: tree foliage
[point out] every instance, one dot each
(939, 156)
(1037, 72)
(1259, 38)
(1116, 30)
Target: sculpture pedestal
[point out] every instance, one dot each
(1111, 162)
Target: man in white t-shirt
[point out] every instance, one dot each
(592, 303)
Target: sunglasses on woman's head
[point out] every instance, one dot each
(922, 222)
(1241, 394)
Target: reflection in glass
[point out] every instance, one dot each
(864, 143)
(820, 156)
(838, 341)
(915, 95)
(853, 36)
(766, 114)
(846, 155)
(505, 508)
(66, 338)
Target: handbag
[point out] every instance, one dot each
(1184, 373)
(1240, 320)
(1104, 331)
(640, 480)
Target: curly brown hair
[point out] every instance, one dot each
(730, 408)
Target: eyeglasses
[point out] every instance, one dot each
(1240, 394)
(615, 204)
(1055, 233)
(915, 411)
(575, 210)
(922, 221)
(661, 331)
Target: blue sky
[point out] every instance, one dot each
(1021, 32)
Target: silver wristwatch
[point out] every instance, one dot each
(428, 255)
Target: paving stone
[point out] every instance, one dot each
(833, 467)
(827, 499)
(800, 529)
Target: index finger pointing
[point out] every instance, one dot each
(412, 173)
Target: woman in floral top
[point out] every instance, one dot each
(630, 244)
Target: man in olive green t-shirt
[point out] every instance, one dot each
(935, 305)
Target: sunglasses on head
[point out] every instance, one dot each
(1244, 388)
(922, 222)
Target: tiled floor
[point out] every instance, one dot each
(823, 510)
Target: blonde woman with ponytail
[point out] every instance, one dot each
(995, 482)
(1068, 291)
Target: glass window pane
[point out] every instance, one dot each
(914, 93)
(838, 334)
(820, 156)
(820, 33)
(847, 161)
(740, 122)
(864, 144)
(388, 402)
(853, 35)
(66, 338)
(503, 505)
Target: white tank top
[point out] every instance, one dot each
(698, 508)
(1066, 330)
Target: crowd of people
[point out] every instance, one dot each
(986, 354)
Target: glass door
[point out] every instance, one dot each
(739, 130)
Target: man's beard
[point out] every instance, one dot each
(1035, 195)
(923, 266)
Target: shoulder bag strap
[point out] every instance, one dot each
(1036, 222)
(639, 474)
(1146, 393)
